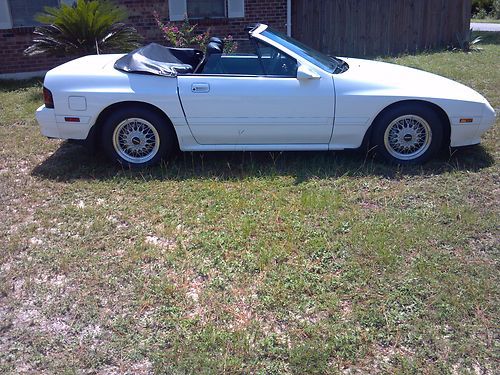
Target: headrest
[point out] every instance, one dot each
(216, 40)
(214, 47)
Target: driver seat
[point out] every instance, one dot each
(213, 54)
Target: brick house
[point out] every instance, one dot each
(222, 16)
(358, 28)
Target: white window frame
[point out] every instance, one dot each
(177, 9)
(5, 17)
(6, 21)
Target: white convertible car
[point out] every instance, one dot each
(280, 96)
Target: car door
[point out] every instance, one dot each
(257, 99)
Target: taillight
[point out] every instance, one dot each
(47, 98)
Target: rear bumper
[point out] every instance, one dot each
(47, 120)
(56, 126)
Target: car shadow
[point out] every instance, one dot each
(71, 162)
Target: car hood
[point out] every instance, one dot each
(391, 79)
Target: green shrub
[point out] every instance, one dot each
(185, 35)
(481, 14)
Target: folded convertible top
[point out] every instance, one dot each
(159, 60)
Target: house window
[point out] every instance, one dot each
(23, 12)
(196, 9)
(206, 8)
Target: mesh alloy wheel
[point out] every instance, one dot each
(136, 140)
(408, 133)
(138, 136)
(408, 137)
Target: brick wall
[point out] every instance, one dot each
(13, 42)
(12, 60)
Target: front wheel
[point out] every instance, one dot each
(409, 134)
(136, 137)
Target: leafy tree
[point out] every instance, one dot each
(496, 8)
(87, 27)
(486, 8)
(478, 4)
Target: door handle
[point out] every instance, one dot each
(200, 87)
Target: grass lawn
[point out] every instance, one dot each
(485, 20)
(249, 262)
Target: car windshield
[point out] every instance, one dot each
(330, 64)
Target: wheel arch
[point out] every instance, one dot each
(95, 131)
(436, 108)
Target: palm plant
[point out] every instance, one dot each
(468, 43)
(88, 27)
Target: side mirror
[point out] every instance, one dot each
(303, 72)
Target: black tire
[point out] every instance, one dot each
(398, 133)
(136, 137)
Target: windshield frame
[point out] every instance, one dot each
(318, 59)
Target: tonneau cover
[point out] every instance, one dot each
(159, 60)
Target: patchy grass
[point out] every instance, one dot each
(485, 20)
(249, 262)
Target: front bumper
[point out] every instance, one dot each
(470, 134)
(489, 118)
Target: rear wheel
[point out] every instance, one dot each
(408, 134)
(136, 137)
